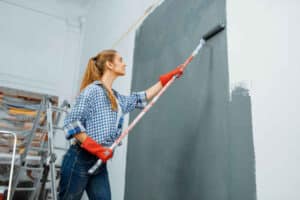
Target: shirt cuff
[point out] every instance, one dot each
(73, 128)
(141, 99)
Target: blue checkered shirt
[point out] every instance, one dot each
(93, 115)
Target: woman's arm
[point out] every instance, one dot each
(153, 90)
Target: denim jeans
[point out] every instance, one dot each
(75, 178)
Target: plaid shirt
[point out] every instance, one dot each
(93, 115)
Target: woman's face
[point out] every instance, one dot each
(118, 65)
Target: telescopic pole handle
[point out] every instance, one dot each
(95, 166)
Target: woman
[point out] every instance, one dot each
(95, 121)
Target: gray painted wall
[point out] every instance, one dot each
(179, 150)
(242, 159)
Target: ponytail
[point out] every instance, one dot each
(90, 75)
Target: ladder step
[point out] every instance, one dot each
(25, 189)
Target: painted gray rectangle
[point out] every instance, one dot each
(241, 148)
(179, 150)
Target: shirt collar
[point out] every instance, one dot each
(97, 82)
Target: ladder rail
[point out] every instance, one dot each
(12, 162)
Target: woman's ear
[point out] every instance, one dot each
(109, 64)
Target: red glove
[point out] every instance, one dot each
(164, 79)
(100, 151)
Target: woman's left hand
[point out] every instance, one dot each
(165, 78)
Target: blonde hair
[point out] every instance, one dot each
(95, 70)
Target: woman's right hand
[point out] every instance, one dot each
(103, 153)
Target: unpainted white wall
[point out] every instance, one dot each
(40, 49)
(263, 51)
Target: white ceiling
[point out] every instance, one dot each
(64, 9)
(77, 3)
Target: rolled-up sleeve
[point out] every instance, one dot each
(135, 100)
(75, 120)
